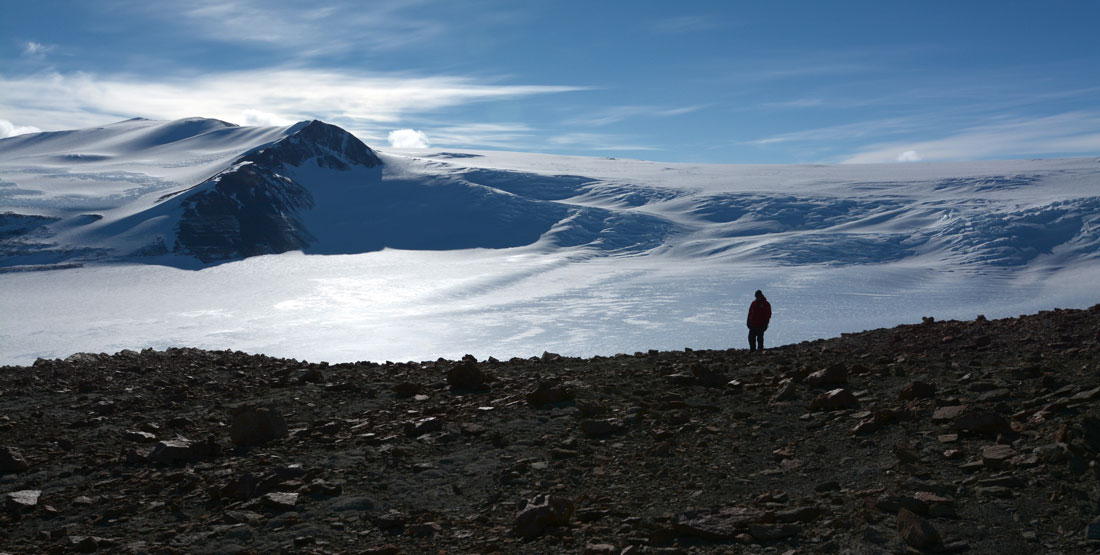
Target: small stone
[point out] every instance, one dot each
(137, 436)
(997, 456)
(423, 530)
(279, 501)
(599, 549)
(944, 414)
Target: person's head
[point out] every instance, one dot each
(759, 294)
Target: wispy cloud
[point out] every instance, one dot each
(36, 50)
(686, 24)
(596, 141)
(1075, 133)
(365, 104)
(302, 31)
(616, 114)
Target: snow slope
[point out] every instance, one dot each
(430, 253)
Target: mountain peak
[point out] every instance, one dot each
(330, 146)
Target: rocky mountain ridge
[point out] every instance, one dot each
(941, 437)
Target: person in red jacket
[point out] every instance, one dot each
(760, 314)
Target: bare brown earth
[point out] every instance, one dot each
(977, 437)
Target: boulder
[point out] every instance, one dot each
(252, 425)
(917, 531)
(466, 375)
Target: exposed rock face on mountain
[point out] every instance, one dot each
(941, 437)
(256, 206)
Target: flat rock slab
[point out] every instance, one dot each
(718, 524)
(23, 499)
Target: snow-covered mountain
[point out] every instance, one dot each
(195, 192)
(431, 253)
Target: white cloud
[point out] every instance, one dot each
(408, 138)
(264, 119)
(909, 156)
(36, 49)
(365, 104)
(8, 129)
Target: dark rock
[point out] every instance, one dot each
(997, 456)
(407, 389)
(548, 393)
(917, 390)
(11, 460)
(717, 524)
(252, 425)
(786, 392)
(600, 428)
(917, 531)
(171, 452)
(540, 513)
(466, 376)
(837, 399)
(423, 426)
(981, 422)
(835, 374)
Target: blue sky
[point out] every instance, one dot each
(724, 82)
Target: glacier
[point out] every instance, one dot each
(303, 242)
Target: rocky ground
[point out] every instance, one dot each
(977, 437)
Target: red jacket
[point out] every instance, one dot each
(760, 313)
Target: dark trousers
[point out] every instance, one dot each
(756, 338)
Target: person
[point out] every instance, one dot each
(760, 314)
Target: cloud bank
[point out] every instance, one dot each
(8, 129)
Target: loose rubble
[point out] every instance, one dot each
(940, 437)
